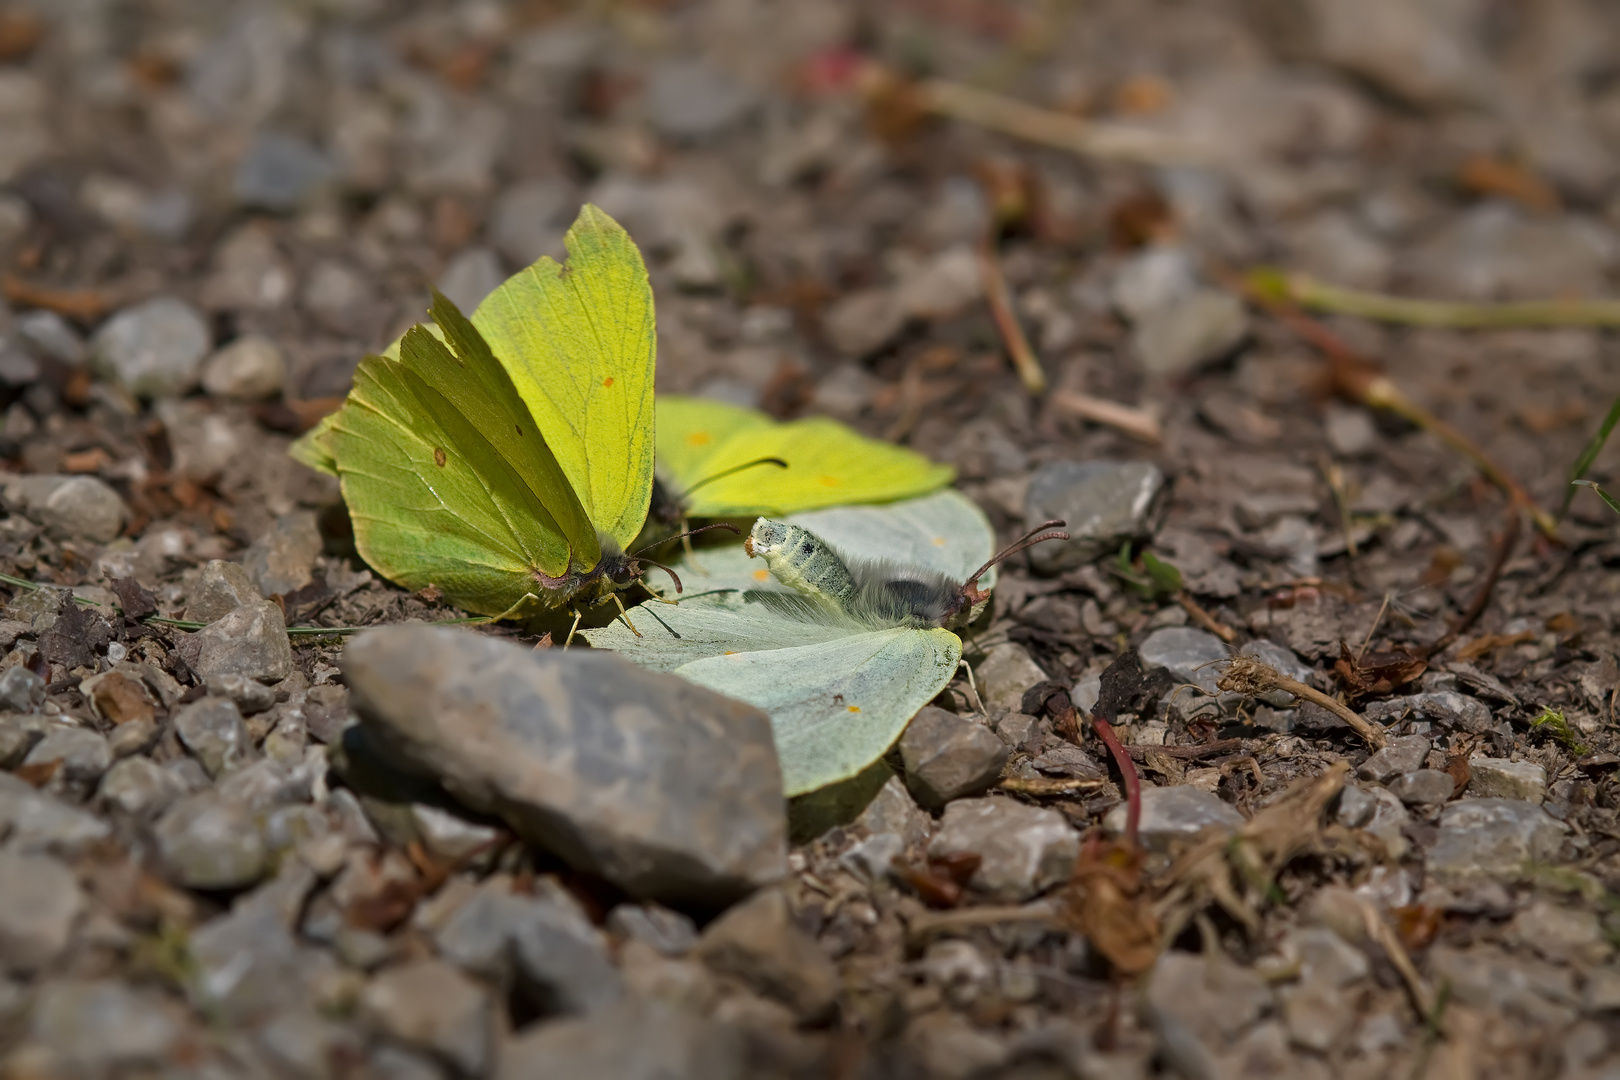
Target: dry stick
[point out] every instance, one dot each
(1476, 607)
(1040, 785)
(1357, 378)
(1136, 422)
(1247, 676)
(927, 924)
(1204, 618)
(1381, 307)
(1012, 331)
(1115, 142)
(1189, 753)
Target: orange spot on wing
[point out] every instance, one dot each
(699, 438)
(608, 381)
(829, 481)
(762, 575)
(854, 708)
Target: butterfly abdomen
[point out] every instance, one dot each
(802, 561)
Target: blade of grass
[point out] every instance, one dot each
(1589, 453)
(1608, 499)
(1316, 295)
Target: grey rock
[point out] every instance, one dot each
(1003, 676)
(279, 172)
(1388, 822)
(1601, 992)
(1105, 504)
(305, 1044)
(40, 903)
(1355, 807)
(1563, 935)
(153, 349)
(389, 1062)
(70, 507)
(1151, 280)
(758, 942)
(21, 690)
(525, 222)
(251, 368)
(668, 1044)
(860, 323)
(267, 784)
(943, 286)
(208, 843)
(873, 858)
(246, 964)
(139, 787)
(47, 334)
(1333, 247)
(1191, 331)
(608, 765)
(892, 810)
(212, 729)
(472, 275)
(105, 1025)
(1483, 976)
(1284, 661)
(1171, 814)
(250, 641)
(326, 712)
(669, 932)
(17, 737)
(33, 821)
(84, 755)
(429, 1005)
(1493, 252)
(1021, 731)
(1402, 754)
(1448, 707)
(1497, 778)
(1187, 653)
(283, 559)
(1199, 1003)
(450, 836)
(1423, 787)
(249, 695)
(1492, 839)
(690, 100)
(221, 588)
(1350, 430)
(947, 757)
(1068, 760)
(340, 297)
(1023, 849)
(1426, 54)
(562, 960)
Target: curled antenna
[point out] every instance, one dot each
(1028, 540)
(688, 532)
(672, 575)
(723, 473)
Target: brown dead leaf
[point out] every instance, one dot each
(1460, 771)
(81, 305)
(86, 461)
(1483, 174)
(119, 699)
(1104, 902)
(1416, 925)
(1489, 643)
(20, 32)
(1377, 672)
(39, 773)
(1143, 95)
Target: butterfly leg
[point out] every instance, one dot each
(625, 615)
(569, 640)
(973, 687)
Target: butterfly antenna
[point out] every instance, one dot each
(672, 575)
(677, 536)
(723, 473)
(1035, 536)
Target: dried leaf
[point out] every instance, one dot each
(1104, 902)
(119, 699)
(76, 637)
(135, 600)
(1377, 672)
(39, 773)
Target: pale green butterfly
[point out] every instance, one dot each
(507, 460)
(843, 634)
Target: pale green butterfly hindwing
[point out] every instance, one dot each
(844, 632)
(507, 459)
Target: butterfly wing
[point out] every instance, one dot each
(691, 430)
(578, 342)
(439, 493)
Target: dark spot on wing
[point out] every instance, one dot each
(438, 456)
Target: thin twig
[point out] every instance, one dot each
(930, 923)
(1006, 319)
(1040, 785)
(1482, 596)
(1136, 422)
(1250, 677)
(1316, 295)
(1203, 618)
(1189, 753)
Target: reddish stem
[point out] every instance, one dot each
(1127, 769)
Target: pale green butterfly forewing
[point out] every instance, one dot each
(578, 343)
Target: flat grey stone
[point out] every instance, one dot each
(21, 690)
(105, 1025)
(35, 821)
(1175, 813)
(1022, 849)
(283, 559)
(40, 902)
(83, 755)
(212, 729)
(614, 768)
(472, 275)
(429, 1005)
(153, 349)
(1428, 55)
(1492, 839)
(1483, 976)
(860, 323)
(1187, 653)
(18, 735)
(70, 507)
(248, 695)
(1003, 676)
(1388, 821)
(893, 810)
(1447, 707)
(758, 942)
(1560, 933)
(47, 334)
(1188, 332)
(220, 588)
(308, 1045)
(1022, 731)
(669, 932)
(139, 787)
(691, 100)
(636, 1039)
(1355, 808)
(562, 961)
(1423, 787)
(450, 836)
(279, 172)
(525, 223)
(250, 640)
(1401, 754)
(1502, 779)
(947, 757)
(208, 843)
(251, 368)
(1197, 1004)
(1104, 502)
(246, 964)
(1495, 252)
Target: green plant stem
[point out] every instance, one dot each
(1449, 314)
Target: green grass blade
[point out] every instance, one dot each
(1589, 454)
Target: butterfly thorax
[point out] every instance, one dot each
(613, 572)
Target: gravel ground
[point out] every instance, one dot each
(210, 211)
